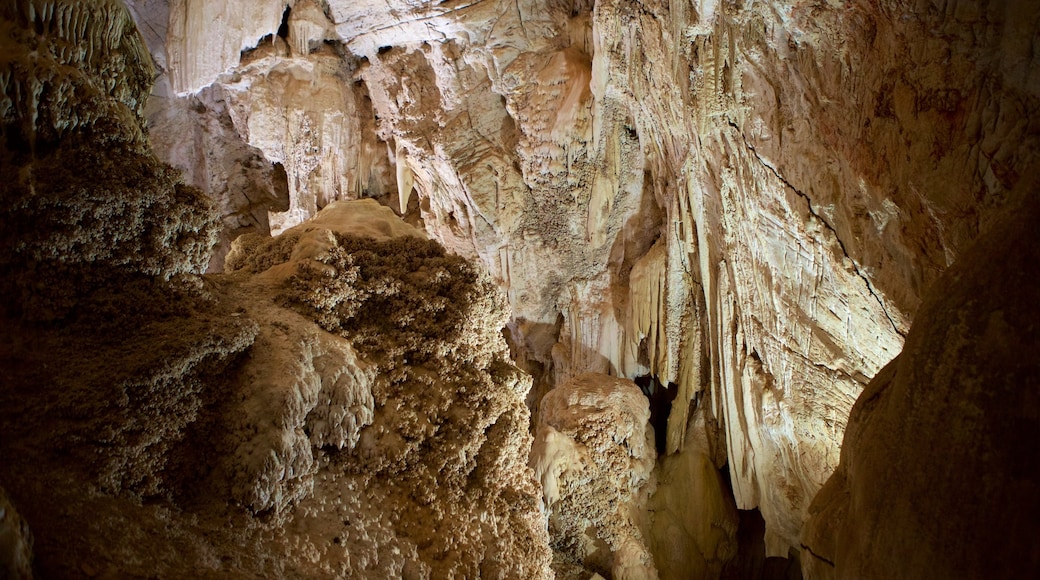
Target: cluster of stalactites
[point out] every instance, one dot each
(68, 65)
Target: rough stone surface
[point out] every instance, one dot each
(340, 403)
(594, 456)
(937, 469)
(16, 553)
(366, 429)
(693, 517)
(742, 200)
(85, 202)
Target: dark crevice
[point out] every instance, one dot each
(817, 556)
(812, 210)
(751, 560)
(660, 397)
(283, 28)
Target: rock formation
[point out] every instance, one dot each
(743, 199)
(738, 205)
(15, 541)
(938, 468)
(594, 456)
(340, 403)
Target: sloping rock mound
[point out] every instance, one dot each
(216, 423)
(938, 475)
(339, 404)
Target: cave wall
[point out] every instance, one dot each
(937, 469)
(339, 403)
(744, 200)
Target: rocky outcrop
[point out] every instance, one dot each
(339, 403)
(86, 202)
(606, 228)
(274, 140)
(344, 401)
(936, 468)
(744, 200)
(694, 522)
(594, 455)
(740, 202)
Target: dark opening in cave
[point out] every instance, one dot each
(751, 560)
(661, 398)
(283, 28)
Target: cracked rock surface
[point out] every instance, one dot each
(741, 203)
(936, 469)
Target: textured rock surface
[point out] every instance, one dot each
(594, 455)
(15, 542)
(742, 200)
(694, 521)
(340, 403)
(937, 469)
(394, 445)
(86, 203)
(277, 138)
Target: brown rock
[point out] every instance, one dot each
(938, 477)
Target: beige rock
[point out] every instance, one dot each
(694, 522)
(796, 237)
(937, 468)
(337, 405)
(594, 454)
(745, 199)
(204, 38)
(275, 139)
(196, 135)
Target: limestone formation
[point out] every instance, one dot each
(594, 456)
(340, 403)
(938, 468)
(693, 518)
(221, 423)
(85, 203)
(743, 199)
(740, 205)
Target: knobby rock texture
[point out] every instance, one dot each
(594, 456)
(744, 200)
(740, 203)
(339, 403)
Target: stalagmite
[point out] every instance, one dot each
(727, 213)
(405, 180)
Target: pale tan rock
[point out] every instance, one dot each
(205, 38)
(300, 112)
(302, 390)
(593, 454)
(694, 522)
(352, 415)
(277, 138)
(196, 135)
(746, 199)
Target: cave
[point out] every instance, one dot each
(520, 289)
